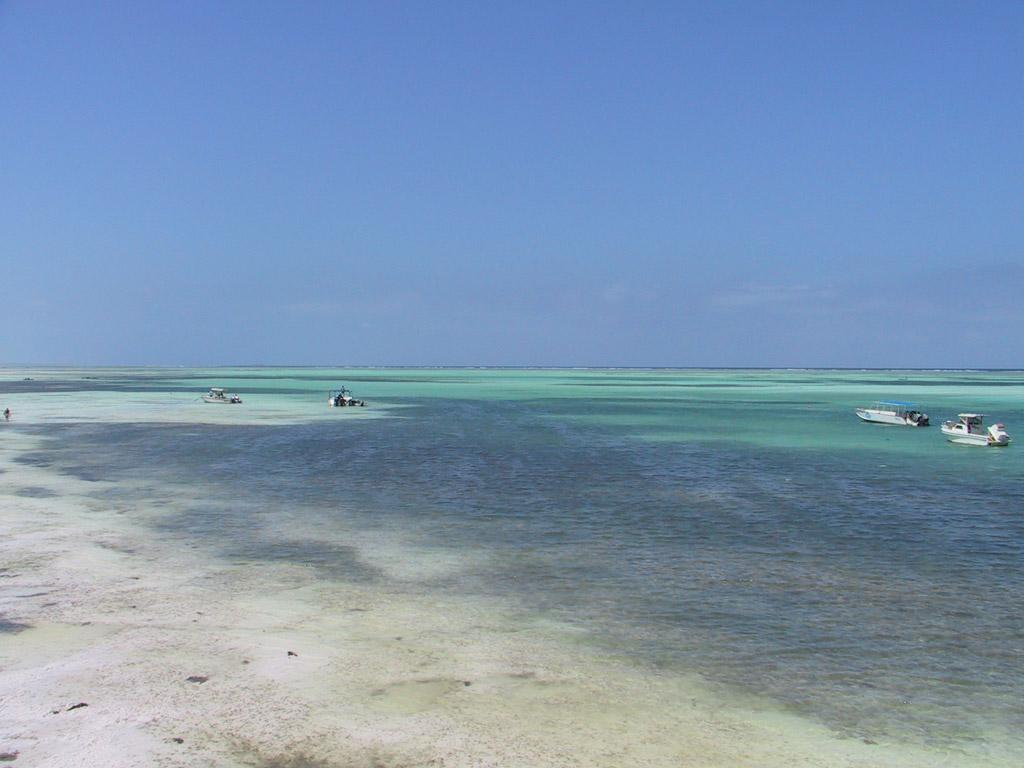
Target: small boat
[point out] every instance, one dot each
(893, 412)
(339, 398)
(218, 395)
(970, 430)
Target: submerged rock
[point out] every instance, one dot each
(79, 705)
(12, 626)
(7, 757)
(196, 679)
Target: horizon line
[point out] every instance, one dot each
(470, 366)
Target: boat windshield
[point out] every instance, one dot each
(895, 406)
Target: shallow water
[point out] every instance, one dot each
(743, 525)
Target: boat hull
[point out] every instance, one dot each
(978, 439)
(220, 400)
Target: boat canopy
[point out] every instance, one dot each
(978, 416)
(897, 403)
(217, 389)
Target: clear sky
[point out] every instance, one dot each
(520, 183)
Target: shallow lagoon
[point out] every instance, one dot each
(740, 526)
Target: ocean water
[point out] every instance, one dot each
(741, 526)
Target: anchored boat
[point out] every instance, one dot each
(218, 395)
(340, 398)
(893, 412)
(970, 430)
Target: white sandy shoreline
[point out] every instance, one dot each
(119, 616)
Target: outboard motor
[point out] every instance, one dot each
(997, 435)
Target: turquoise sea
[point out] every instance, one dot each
(738, 525)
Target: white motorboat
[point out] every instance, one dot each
(340, 398)
(893, 412)
(218, 395)
(970, 430)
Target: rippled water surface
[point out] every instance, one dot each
(741, 524)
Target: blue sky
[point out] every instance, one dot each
(791, 184)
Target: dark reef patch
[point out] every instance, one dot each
(34, 459)
(12, 627)
(36, 492)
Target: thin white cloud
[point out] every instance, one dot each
(767, 295)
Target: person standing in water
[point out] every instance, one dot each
(7, 414)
